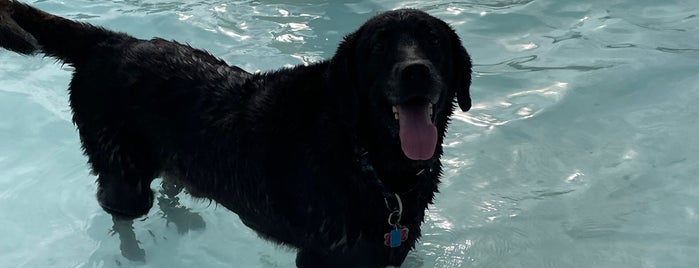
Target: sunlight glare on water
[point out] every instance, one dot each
(578, 151)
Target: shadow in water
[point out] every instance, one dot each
(173, 212)
(128, 242)
(183, 218)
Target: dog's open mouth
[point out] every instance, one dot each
(418, 134)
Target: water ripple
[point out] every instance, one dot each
(519, 105)
(496, 5)
(519, 64)
(621, 45)
(693, 51)
(566, 36)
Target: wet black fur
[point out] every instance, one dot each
(277, 148)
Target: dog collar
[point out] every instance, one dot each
(392, 200)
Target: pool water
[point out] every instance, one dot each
(580, 150)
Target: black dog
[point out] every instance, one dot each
(338, 159)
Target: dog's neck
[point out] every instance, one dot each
(366, 166)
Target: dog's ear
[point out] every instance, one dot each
(342, 80)
(461, 72)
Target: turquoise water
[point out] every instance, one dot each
(580, 150)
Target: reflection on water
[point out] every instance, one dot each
(515, 106)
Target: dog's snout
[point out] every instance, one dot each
(416, 79)
(416, 72)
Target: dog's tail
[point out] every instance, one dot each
(27, 30)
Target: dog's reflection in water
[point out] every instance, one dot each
(172, 211)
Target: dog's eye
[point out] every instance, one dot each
(433, 38)
(379, 41)
(379, 46)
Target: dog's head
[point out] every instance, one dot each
(402, 70)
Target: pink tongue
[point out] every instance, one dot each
(418, 136)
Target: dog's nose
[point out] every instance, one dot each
(415, 79)
(416, 72)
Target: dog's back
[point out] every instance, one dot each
(135, 102)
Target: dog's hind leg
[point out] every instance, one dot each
(123, 197)
(123, 190)
(125, 194)
(125, 164)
